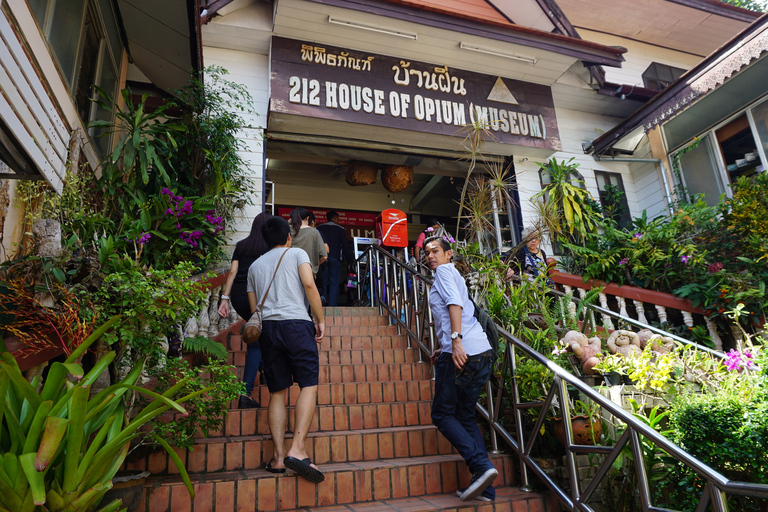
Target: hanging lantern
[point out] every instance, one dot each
(361, 173)
(397, 178)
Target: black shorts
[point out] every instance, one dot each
(290, 354)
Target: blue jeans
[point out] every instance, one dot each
(453, 410)
(253, 355)
(331, 280)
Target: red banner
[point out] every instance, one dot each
(357, 223)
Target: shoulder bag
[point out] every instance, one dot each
(252, 328)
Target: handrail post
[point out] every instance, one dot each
(492, 417)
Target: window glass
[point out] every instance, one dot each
(108, 82)
(700, 173)
(89, 61)
(38, 9)
(613, 197)
(760, 115)
(113, 35)
(65, 34)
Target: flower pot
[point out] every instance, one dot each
(127, 485)
(612, 379)
(584, 432)
(589, 380)
(626, 380)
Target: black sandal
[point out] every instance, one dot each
(270, 469)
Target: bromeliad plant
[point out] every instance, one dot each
(59, 447)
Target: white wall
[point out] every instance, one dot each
(251, 70)
(648, 184)
(638, 57)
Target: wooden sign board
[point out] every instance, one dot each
(340, 84)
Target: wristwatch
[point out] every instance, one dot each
(455, 335)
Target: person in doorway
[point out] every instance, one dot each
(304, 236)
(462, 368)
(288, 342)
(335, 237)
(235, 294)
(530, 260)
(434, 228)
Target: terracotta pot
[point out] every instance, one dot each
(128, 486)
(584, 433)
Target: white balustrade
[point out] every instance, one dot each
(712, 328)
(607, 323)
(640, 308)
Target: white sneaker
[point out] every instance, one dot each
(478, 484)
(482, 497)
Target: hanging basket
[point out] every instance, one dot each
(361, 173)
(397, 178)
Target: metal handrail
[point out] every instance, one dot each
(386, 279)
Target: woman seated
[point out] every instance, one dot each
(530, 261)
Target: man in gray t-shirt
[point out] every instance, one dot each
(288, 342)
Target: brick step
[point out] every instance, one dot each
(326, 357)
(331, 418)
(360, 373)
(345, 483)
(350, 311)
(357, 393)
(253, 452)
(375, 338)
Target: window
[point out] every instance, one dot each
(699, 173)
(660, 76)
(613, 197)
(84, 39)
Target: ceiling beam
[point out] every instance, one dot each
(421, 198)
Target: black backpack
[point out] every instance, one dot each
(489, 327)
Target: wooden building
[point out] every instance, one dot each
(51, 54)
(390, 82)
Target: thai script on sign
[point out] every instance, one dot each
(440, 80)
(318, 55)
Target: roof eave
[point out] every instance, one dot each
(603, 143)
(587, 51)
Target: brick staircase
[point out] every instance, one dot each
(372, 436)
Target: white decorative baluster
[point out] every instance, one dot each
(640, 308)
(662, 311)
(213, 313)
(607, 323)
(203, 320)
(622, 306)
(687, 318)
(737, 334)
(571, 304)
(712, 328)
(587, 313)
(190, 328)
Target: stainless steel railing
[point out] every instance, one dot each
(402, 293)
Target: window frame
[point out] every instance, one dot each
(105, 52)
(717, 155)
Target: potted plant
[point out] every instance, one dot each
(585, 424)
(612, 367)
(60, 449)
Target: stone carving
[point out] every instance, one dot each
(660, 344)
(624, 343)
(586, 349)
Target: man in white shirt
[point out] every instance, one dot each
(288, 342)
(462, 368)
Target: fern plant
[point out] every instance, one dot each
(205, 345)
